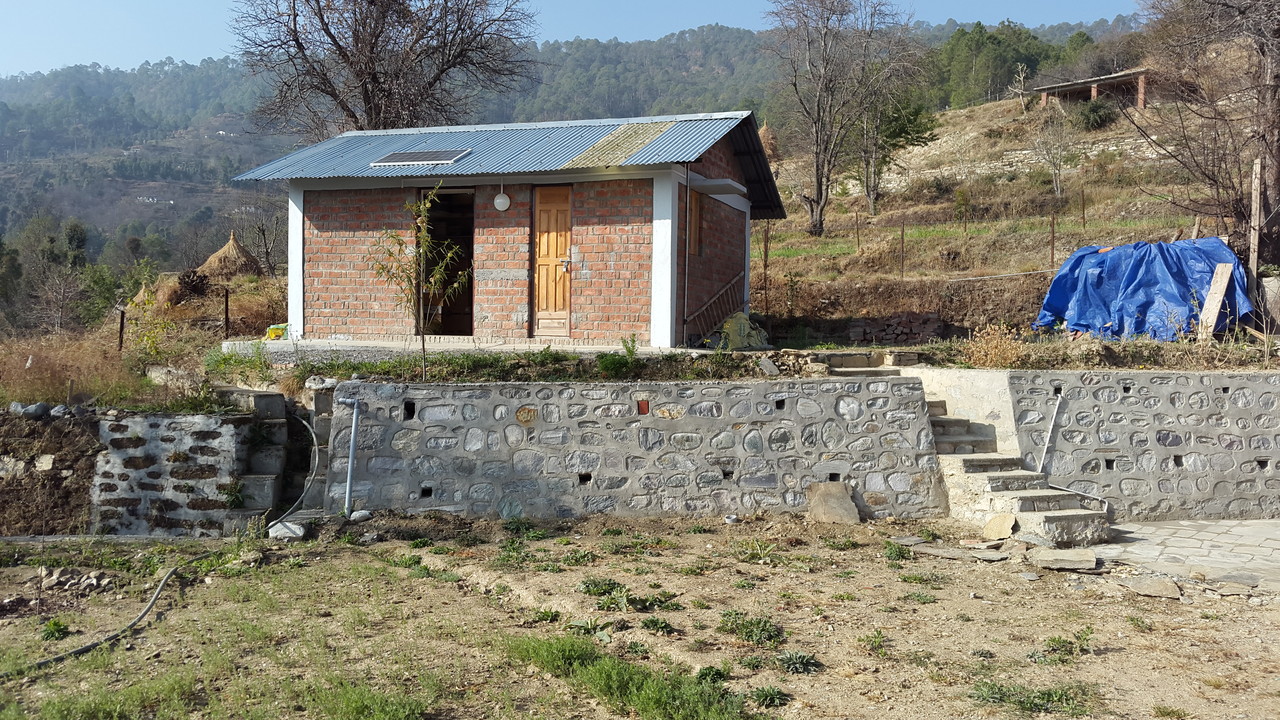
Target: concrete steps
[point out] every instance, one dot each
(983, 484)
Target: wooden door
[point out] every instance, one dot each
(552, 270)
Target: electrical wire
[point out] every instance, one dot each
(315, 466)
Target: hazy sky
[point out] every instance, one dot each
(48, 34)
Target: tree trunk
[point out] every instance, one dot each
(1269, 121)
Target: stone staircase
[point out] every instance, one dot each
(985, 486)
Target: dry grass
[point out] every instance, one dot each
(55, 368)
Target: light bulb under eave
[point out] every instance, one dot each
(501, 202)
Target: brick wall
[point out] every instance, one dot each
(612, 254)
(501, 264)
(719, 162)
(341, 296)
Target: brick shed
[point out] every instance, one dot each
(581, 232)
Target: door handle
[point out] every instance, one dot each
(564, 265)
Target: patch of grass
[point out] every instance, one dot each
(1072, 699)
(170, 695)
(770, 696)
(761, 631)
(929, 534)
(699, 605)
(896, 552)
(613, 532)
(1059, 650)
(744, 585)
(405, 561)
(920, 598)
(1166, 711)
(701, 567)
(512, 555)
(347, 700)
(797, 663)
(420, 543)
(699, 529)
(844, 597)
(629, 688)
(713, 674)
(876, 643)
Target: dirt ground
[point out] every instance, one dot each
(273, 631)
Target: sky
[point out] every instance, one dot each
(45, 35)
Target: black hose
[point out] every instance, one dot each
(155, 596)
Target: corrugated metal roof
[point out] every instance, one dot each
(537, 148)
(508, 149)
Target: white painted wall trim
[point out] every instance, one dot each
(746, 260)
(296, 315)
(662, 311)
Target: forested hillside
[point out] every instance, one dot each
(122, 166)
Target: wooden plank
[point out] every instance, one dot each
(1213, 303)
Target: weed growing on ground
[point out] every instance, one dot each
(546, 615)
(841, 544)
(932, 579)
(753, 662)
(578, 557)
(744, 585)
(920, 598)
(877, 643)
(713, 674)
(758, 553)
(1074, 699)
(929, 535)
(699, 605)
(895, 552)
(1165, 711)
(844, 597)
(659, 626)
(405, 561)
(770, 696)
(1140, 624)
(599, 587)
(420, 543)
(1063, 651)
(761, 631)
(699, 529)
(54, 630)
(797, 663)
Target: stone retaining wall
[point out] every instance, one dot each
(1157, 445)
(184, 475)
(561, 450)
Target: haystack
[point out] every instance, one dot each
(230, 261)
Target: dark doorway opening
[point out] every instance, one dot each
(452, 219)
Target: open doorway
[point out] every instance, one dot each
(452, 219)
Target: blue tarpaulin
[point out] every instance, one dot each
(1154, 289)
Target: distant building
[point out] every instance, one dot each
(1126, 88)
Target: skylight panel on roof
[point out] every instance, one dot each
(421, 157)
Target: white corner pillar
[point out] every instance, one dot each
(296, 328)
(662, 306)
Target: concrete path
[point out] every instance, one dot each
(1240, 551)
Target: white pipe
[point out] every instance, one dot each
(354, 404)
(1048, 436)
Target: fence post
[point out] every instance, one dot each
(226, 313)
(120, 339)
(1053, 238)
(902, 251)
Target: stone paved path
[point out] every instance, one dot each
(1220, 550)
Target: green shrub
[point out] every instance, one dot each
(761, 631)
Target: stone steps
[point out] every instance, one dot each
(983, 484)
(1065, 527)
(963, 444)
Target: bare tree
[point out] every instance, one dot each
(838, 59)
(1216, 67)
(1054, 143)
(380, 64)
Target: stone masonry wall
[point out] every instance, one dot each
(177, 475)
(1157, 445)
(560, 450)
